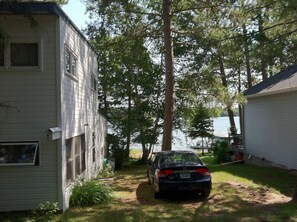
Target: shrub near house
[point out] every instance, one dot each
(221, 151)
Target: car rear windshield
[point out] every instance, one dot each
(184, 159)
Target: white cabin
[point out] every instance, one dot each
(51, 132)
(271, 122)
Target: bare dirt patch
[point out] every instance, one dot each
(263, 196)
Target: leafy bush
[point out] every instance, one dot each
(221, 151)
(117, 150)
(107, 171)
(90, 192)
(45, 211)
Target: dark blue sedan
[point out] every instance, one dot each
(178, 171)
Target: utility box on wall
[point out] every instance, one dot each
(54, 133)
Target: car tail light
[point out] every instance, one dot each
(204, 171)
(164, 173)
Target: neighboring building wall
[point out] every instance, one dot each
(79, 104)
(32, 92)
(271, 130)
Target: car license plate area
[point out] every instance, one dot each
(185, 175)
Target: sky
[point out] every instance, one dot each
(75, 9)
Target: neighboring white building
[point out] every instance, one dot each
(270, 121)
(51, 132)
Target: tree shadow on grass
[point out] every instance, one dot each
(126, 185)
(231, 203)
(120, 213)
(15, 216)
(282, 180)
(278, 212)
(145, 196)
(127, 179)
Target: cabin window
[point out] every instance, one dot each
(94, 154)
(93, 146)
(24, 54)
(21, 54)
(93, 139)
(15, 154)
(93, 82)
(70, 62)
(80, 155)
(75, 156)
(69, 159)
(1, 54)
(83, 153)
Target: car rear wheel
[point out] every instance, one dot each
(157, 195)
(205, 194)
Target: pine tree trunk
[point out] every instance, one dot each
(145, 153)
(247, 58)
(202, 146)
(127, 149)
(262, 57)
(169, 92)
(225, 84)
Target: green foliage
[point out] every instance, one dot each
(107, 171)
(131, 88)
(201, 123)
(3, 36)
(90, 192)
(221, 151)
(46, 211)
(62, 2)
(220, 48)
(116, 150)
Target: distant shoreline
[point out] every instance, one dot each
(181, 141)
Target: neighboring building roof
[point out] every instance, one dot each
(38, 8)
(283, 81)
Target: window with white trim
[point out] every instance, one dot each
(20, 153)
(69, 160)
(70, 62)
(93, 82)
(23, 54)
(75, 157)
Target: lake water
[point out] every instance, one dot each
(181, 141)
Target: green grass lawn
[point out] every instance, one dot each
(240, 193)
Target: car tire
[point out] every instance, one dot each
(205, 194)
(157, 195)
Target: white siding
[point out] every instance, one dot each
(79, 104)
(45, 98)
(271, 128)
(33, 94)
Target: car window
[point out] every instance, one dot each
(155, 159)
(173, 159)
